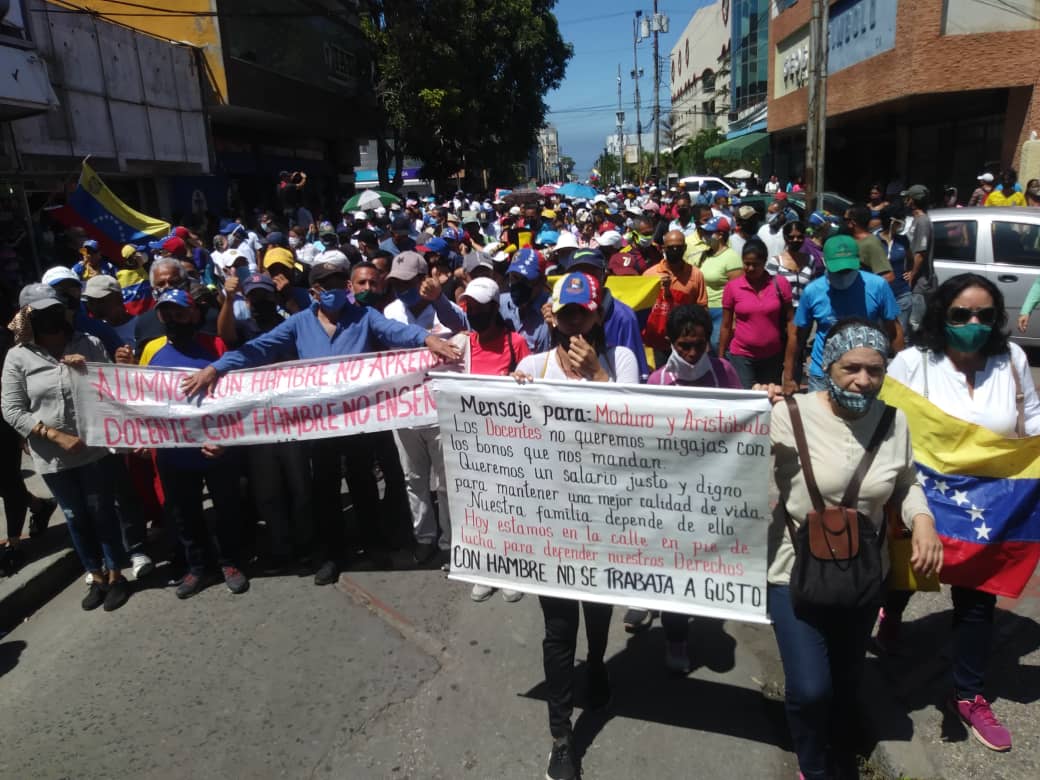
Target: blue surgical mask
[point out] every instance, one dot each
(857, 403)
(409, 297)
(333, 301)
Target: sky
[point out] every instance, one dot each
(583, 109)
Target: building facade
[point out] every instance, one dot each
(915, 91)
(700, 74)
(749, 62)
(548, 155)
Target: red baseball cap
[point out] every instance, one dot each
(176, 247)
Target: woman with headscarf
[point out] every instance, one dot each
(37, 402)
(822, 646)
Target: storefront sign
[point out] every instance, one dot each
(859, 30)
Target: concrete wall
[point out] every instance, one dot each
(124, 96)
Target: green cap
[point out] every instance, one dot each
(841, 253)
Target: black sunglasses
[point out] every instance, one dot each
(961, 315)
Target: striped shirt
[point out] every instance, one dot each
(797, 279)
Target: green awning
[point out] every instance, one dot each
(750, 145)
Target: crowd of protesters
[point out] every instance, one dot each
(778, 300)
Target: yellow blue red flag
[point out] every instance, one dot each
(984, 491)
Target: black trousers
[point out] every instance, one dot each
(280, 482)
(558, 649)
(12, 486)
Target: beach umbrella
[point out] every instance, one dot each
(369, 200)
(575, 190)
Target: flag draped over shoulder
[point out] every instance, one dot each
(93, 207)
(984, 491)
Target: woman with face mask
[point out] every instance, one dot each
(822, 647)
(719, 264)
(966, 366)
(493, 351)
(37, 403)
(580, 355)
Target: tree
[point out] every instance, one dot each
(607, 165)
(461, 83)
(689, 158)
(567, 164)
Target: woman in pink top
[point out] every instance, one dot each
(756, 314)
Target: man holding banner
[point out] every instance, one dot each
(332, 326)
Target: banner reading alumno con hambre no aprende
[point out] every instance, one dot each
(633, 495)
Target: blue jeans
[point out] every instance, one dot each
(716, 328)
(86, 495)
(822, 653)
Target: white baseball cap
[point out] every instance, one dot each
(986, 177)
(610, 238)
(482, 290)
(566, 241)
(58, 273)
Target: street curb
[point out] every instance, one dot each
(32, 594)
(879, 708)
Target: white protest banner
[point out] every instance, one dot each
(134, 406)
(651, 497)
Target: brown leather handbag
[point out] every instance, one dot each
(837, 551)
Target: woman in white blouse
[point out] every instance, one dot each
(967, 367)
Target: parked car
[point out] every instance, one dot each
(1001, 244)
(692, 184)
(833, 203)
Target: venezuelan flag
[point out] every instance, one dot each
(104, 217)
(984, 491)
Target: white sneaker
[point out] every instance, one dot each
(481, 592)
(141, 564)
(512, 596)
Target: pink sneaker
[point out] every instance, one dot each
(977, 715)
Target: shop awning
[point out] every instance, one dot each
(750, 145)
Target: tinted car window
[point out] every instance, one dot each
(955, 239)
(1016, 243)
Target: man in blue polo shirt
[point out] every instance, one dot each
(332, 326)
(845, 291)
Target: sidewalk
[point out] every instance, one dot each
(51, 563)
(905, 694)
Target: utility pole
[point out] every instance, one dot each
(816, 136)
(636, 74)
(620, 131)
(659, 25)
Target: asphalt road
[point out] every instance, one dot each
(294, 681)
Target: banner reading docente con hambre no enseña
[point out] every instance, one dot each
(652, 497)
(133, 406)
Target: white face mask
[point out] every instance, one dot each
(688, 372)
(294, 242)
(842, 280)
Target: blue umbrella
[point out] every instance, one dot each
(575, 190)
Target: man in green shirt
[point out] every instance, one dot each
(872, 254)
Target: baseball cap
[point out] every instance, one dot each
(566, 241)
(38, 296)
(610, 238)
(474, 260)
(986, 177)
(591, 257)
(841, 254)
(231, 227)
(547, 238)
(434, 244)
(527, 263)
(916, 192)
(58, 274)
(101, 286)
(129, 250)
(451, 219)
(716, 225)
(780, 196)
(482, 290)
(258, 282)
(548, 214)
(401, 224)
(721, 194)
(746, 212)
(326, 265)
(576, 289)
(182, 232)
(277, 255)
(177, 297)
(176, 247)
(277, 239)
(452, 234)
(91, 244)
(469, 217)
(514, 211)
(408, 265)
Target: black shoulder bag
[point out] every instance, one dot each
(838, 554)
